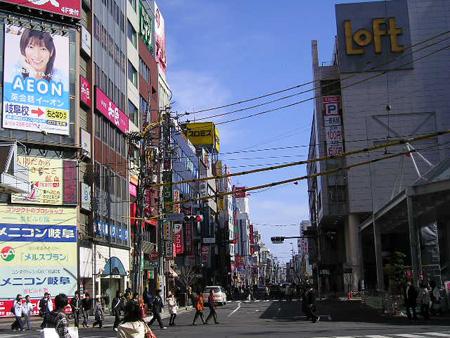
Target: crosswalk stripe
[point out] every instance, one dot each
(408, 335)
(437, 334)
(377, 336)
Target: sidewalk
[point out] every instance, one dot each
(5, 323)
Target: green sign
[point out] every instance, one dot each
(146, 27)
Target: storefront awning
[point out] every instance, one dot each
(114, 266)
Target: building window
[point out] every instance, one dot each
(144, 108)
(132, 74)
(132, 36)
(133, 113)
(144, 70)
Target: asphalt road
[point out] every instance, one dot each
(284, 319)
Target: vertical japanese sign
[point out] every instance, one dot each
(85, 91)
(110, 110)
(70, 174)
(188, 248)
(333, 125)
(38, 251)
(45, 179)
(147, 28)
(160, 36)
(178, 238)
(36, 93)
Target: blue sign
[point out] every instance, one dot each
(37, 233)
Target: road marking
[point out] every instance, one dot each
(238, 307)
(257, 301)
(436, 334)
(407, 335)
(377, 336)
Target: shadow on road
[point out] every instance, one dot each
(338, 311)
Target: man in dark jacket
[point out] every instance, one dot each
(75, 304)
(44, 308)
(410, 295)
(117, 307)
(311, 305)
(157, 306)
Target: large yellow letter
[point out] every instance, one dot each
(394, 32)
(349, 40)
(378, 32)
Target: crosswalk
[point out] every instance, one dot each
(262, 301)
(399, 335)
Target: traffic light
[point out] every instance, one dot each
(192, 218)
(277, 239)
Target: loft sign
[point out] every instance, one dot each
(356, 41)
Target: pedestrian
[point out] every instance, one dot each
(435, 299)
(45, 307)
(17, 311)
(311, 305)
(172, 305)
(133, 325)
(157, 307)
(212, 308)
(305, 309)
(148, 298)
(27, 309)
(86, 305)
(75, 304)
(410, 296)
(199, 307)
(191, 296)
(117, 307)
(424, 301)
(57, 319)
(99, 312)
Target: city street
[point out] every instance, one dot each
(284, 319)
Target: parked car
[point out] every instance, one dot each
(220, 297)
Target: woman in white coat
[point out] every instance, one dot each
(172, 305)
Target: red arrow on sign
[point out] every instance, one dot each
(38, 111)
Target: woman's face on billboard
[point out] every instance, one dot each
(37, 55)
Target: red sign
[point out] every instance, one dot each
(178, 240)
(239, 192)
(85, 91)
(70, 8)
(154, 255)
(205, 254)
(70, 195)
(109, 109)
(6, 305)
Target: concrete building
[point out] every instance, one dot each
(374, 91)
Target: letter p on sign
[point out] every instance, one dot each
(332, 108)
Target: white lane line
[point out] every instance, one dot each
(376, 336)
(407, 335)
(436, 334)
(257, 301)
(238, 307)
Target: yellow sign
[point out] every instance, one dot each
(203, 133)
(364, 37)
(14, 214)
(45, 179)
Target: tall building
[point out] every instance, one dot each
(385, 83)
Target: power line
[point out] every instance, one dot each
(302, 85)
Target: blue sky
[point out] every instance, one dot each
(222, 51)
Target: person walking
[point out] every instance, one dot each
(424, 301)
(311, 305)
(410, 296)
(57, 319)
(117, 307)
(191, 296)
(86, 305)
(172, 305)
(435, 295)
(212, 308)
(157, 307)
(45, 307)
(199, 307)
(99, 313)
(133, 325)
(27, 311)
(75, 304)
(17, 310)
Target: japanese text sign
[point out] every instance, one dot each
(109, 109)
(70, 8)
(36, 95)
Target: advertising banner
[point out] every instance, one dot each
(85, 91)
(109, 109)
(160, 36)
(85, 41)
(38, 251)
(147, 28)
(178, 238)
(188, 247)
(36, 94)
(85, 197)
(45, 179)
(203, 133)
(70, 187)
(333, 125)
(70, 8)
